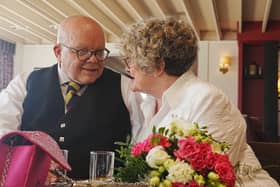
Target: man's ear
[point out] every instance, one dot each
(57, 51)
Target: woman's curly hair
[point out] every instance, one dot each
(148, 43)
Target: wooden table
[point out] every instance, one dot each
(109, 184)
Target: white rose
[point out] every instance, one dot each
(182, 127)
(180, 171)
(156, 157)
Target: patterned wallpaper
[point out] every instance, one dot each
(7, 51)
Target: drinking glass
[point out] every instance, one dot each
(65, 154)
(101, 166)
(62, 179)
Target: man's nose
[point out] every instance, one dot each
(92, 58)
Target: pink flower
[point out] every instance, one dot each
(224, 169)
(194, 152)
(193, 183)
(199, 164)
(158, 139)
(137, 149)
(199, 159)
(211, 160)
(147, 145)
(186, 148)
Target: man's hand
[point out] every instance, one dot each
(51, 178)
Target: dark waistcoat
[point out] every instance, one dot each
(98, 119)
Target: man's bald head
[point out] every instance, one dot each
(73, 26)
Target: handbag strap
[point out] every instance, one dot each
(7, 161)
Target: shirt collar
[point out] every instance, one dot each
(64, 79)
(173, 95)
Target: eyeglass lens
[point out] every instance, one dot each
(84, 54)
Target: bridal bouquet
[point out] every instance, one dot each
(182, 155)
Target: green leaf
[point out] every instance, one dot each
(161, 130)
(166, 132)
(121, 143)
(157, 140)
(154, 130)
(134, 170)
(152, 141)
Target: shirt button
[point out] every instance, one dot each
(62, 125)
(61, 139)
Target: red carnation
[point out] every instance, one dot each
(225, 170)
(186, 148)
(159, 139)
(137, 149)
(178, 184)
(147, 145)
(199, 160)
(193, 183)
(211, 159)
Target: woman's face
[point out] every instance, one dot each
(142, 82)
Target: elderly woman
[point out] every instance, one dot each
(159, 55)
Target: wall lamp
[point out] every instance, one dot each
(224, 64)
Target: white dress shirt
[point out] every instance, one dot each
(197, 101)
(12, 97)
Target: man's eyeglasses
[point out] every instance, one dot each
(84, 54)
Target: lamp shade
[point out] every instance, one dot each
(225, 60)
(224, 64)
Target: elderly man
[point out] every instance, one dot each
(76, 101)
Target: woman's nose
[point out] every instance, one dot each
(127, 69)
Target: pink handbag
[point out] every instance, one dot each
(25, 158)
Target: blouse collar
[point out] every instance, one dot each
(173, 95)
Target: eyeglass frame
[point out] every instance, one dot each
(90, 53)
(127, 62)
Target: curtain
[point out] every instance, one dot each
(7, 51)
